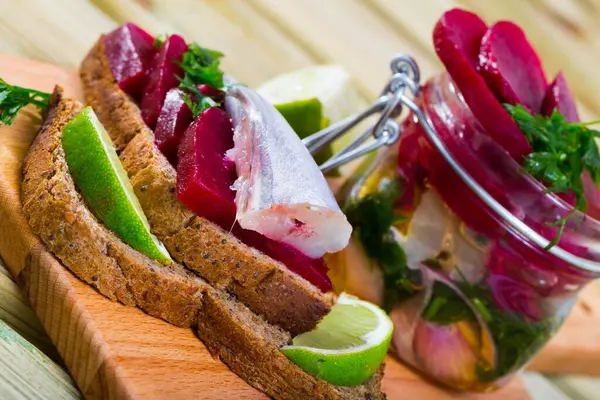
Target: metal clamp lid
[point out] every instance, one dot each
(387, 131)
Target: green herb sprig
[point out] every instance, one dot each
(200, 66)
(372, 217)
(561, 152)
(194, 98)
(14, 98)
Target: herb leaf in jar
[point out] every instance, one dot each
(372, 217)
(561, 152)
(515, 339)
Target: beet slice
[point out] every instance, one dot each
(313, 270)
(216, 94)
(511, 67)
(174, 118)
(558, 96)
(130, 51)
(456, 38)
(203, 180)
(162, 76)
(459, 32)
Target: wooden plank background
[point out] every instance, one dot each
(265, 37)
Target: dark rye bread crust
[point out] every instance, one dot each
(267, 287)
(116, 111)
(243, 340)
(250, 353)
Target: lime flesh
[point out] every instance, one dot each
(347, 346)
(103, 183)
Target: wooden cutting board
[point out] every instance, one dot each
(113, 351)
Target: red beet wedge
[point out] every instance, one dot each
(216, 94)
(130, 51)
(559, 97)
(162, 76)
(457, 37)
(203, 180)
(313, 270)
(511, 67)
(174, 118)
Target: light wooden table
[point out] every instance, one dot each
(263, 38)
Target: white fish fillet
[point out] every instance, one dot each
(280, 191)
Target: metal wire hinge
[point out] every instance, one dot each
(385, 132)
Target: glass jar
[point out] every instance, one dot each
(472, 298)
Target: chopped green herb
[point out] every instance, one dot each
(561, 152)
(372, 217)
(200, 66)
(516, 340)
(446, 306)
(483, 311)
(13, 98)
(194, 98)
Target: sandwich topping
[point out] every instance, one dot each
(232, 151)
(291, 205)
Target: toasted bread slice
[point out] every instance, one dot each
(58, 214)
(244, 341)
(266, 286)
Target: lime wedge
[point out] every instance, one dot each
(103, 183)
(306, 117)
(347, 346)
(298, 95)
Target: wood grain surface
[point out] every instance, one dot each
(113, 351)
(27, 372)
(18, 315)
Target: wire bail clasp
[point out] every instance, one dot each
(385, 132)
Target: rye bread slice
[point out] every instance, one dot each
(58, 214)
(251, 350)
(266, 286)
(243, 340)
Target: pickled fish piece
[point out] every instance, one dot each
(281, 192)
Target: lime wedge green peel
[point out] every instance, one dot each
(306, 117)
(103, 183)
(347, 346)
(312, 98)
